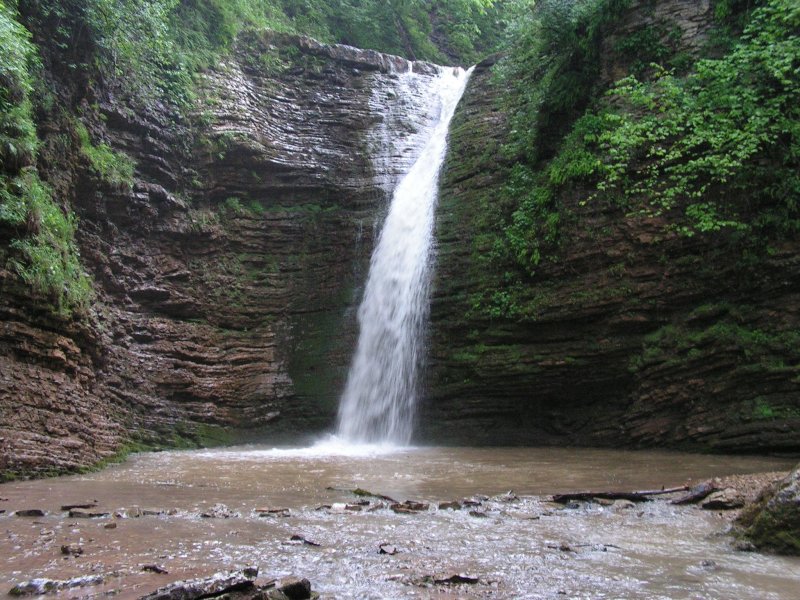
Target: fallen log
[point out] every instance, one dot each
(643, 496)
(362, 493)
(697, 493)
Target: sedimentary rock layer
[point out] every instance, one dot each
(635, 335)
(228, 276)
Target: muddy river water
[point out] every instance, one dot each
(522, 548)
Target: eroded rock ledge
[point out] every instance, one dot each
(635, 335)
(227, 277)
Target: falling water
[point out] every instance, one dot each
(380, 394)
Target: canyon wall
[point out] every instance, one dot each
(227, 277)
(636, 335)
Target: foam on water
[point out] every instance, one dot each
(331, 446)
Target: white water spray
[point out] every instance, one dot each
(380, 395)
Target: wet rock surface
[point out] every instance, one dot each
(239, 585)
(628, 334)
(37, 587)
(727, 499)
(227, 277)
(773, 522)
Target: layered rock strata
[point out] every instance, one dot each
(227, 277)
(634, 335)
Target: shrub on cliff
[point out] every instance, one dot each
(41, 248)
(715, 148)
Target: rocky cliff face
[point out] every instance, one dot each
(228, 276)
(641, 337)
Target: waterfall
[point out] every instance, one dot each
(380, 395)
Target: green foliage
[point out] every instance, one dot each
(553, 68)
(159, 44)
(758, 350)
(18, 61)
(42, 249)
(730, 129)
(114, 168)
(716, 148)
(44, 255)
(550, 76)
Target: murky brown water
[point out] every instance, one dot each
(518, 550)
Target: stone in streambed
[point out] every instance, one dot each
(219, 511)
(727, 499)
(409, 507)
(773, 522)
(71, 549)
(37, 587)
(216, 585)
(29, 512)
(450, 506)
(273, 512)
(387, 549)
(78, 513)
(294, 588)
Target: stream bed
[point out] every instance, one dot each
(515, 545)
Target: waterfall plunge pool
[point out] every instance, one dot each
(528, 548)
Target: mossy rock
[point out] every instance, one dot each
(773, 522)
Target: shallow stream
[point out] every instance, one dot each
(523, 548)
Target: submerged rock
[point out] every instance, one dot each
(37, 587)
(273, 512)
(219, 511)
(773, 522)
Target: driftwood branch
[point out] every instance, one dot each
(643, 496)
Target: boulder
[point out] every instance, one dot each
(30, 512)
(209, 587)
(772, 523)
(295, 588)
(727, 499)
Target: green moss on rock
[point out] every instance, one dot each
(773, 523)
